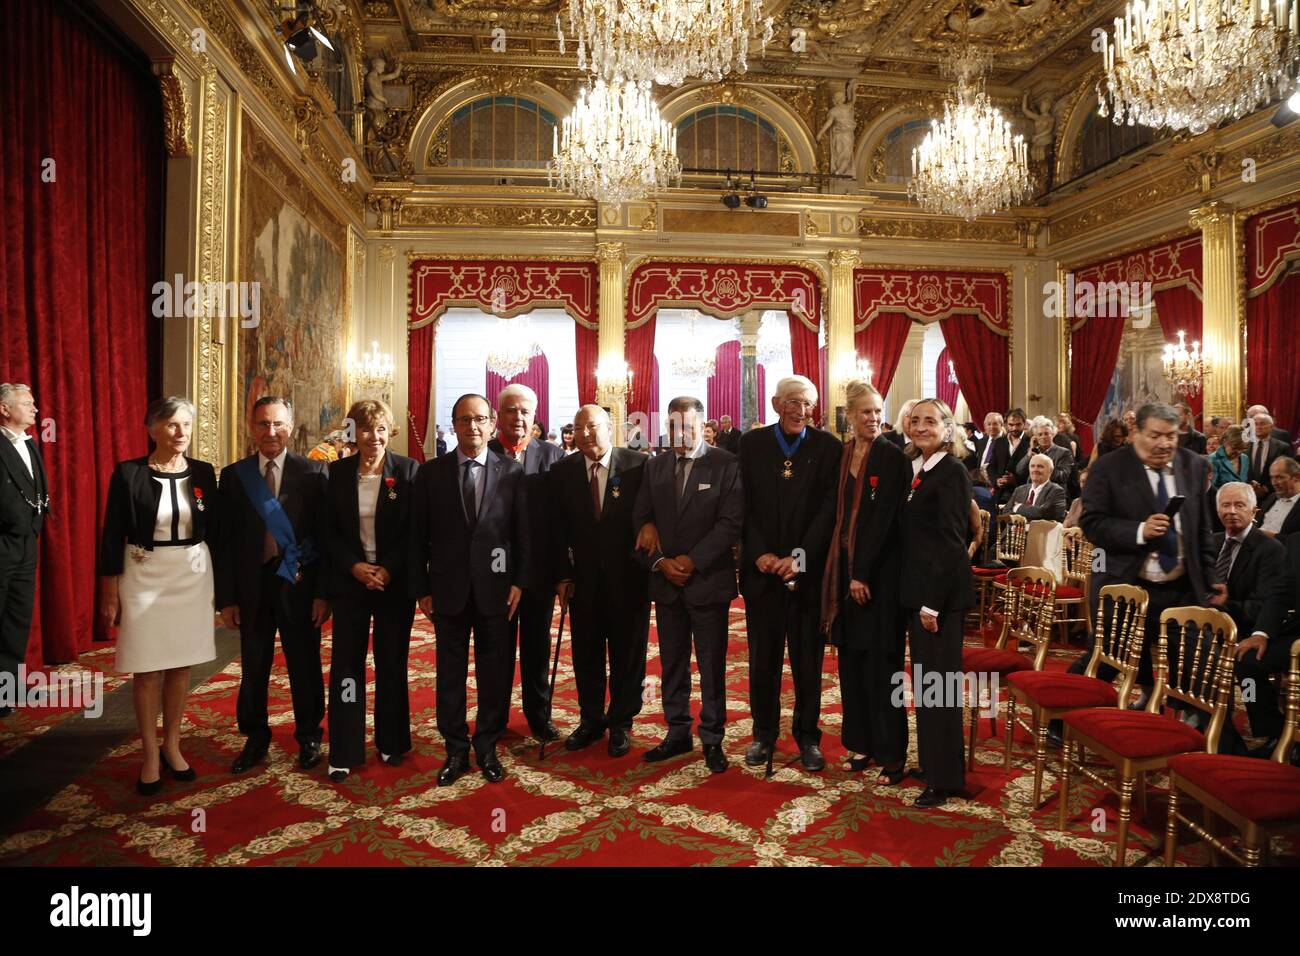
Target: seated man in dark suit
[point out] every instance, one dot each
(1278, 514)
(1266, 449)
(1261, 657)
(1040, 497)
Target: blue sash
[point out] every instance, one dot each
(292, 554)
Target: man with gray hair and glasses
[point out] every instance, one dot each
(24, 503)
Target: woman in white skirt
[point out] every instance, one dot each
(156, 578)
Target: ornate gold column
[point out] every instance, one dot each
(1220, 333)
(611, 384)
(841, 356)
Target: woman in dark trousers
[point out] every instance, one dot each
(368, 518)
(937, 589)
(860, 609)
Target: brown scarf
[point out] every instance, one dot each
(831, 589)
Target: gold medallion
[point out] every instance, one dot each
(788, 465)
(392, 495)
(614, 492)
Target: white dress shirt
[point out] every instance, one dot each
(602, 476)
(19, 440)
(367, 505)
(1151, 570)
(479, 473)
(1277, 514)
(279, 467)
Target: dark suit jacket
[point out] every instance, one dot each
(17, 517)
(1062, 465)
(1049, 503)
(729, 441)
(782, 514)
(1283, 436)
(935, 569)
(447, 560)
(705, 528)
(1292, 523)
(1193, 441)
(896, 438)
(539, 456)
(1003, 460)
(1256, 583)
(342, 528)
(132, 510)
(240, 538)
(1286, 601)
(596, 555)
(1118, 498)
(972, 461)
(1276, 449)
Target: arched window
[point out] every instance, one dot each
(1102, 141)
(730, 137)
(892, 159)
(496, 132)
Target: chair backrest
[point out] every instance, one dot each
(1118, 630)
(1194, 659)
(984, 530)
(1030, 610)
(1044, 546)
(1291, 727)
(1012, 533)
(1076, 560)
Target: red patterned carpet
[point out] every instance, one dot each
(580, 809)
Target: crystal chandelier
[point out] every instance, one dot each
(1185, 370)
(1191, 64)
(971, 164)
(373, 372)
(773, 341)
(615, 146)
(698, 360)
(514, 348)
(665, 41)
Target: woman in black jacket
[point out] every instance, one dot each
(366, 524)
(860, 609)
(937, 589)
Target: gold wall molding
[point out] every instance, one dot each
(1137, 201)
(890, 227)
(176, 112)
(499, 216)
(1167, 236)
(214, 206)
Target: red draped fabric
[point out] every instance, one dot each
(80, 257)
(640, 358)
(805, 356)
(1273, 353)
(1094, 351)
(724, 384)
(881, 343)
(419, 376)
(980, 357)
(944, 387)
(587, 348)
(537, 377)
(1180, 309)
(764, 399)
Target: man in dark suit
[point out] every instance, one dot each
(516, 410)
(1278, 514)
(728, 437)
(688, 511)
(1267, 651)
(1281, 435)
(269, 579)
(1040, 497)
(1188, 436)
(591, 497)
(440, 443)
(1044, 443)
(1266, 449)
(1009, 449)
(469, 562)
(984, 445)
(24, 502)
(789, 472)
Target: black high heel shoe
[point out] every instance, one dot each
(892, 778)
(187, 775)
(857, 764)
(148, 789)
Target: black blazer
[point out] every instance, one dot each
(729, 441)
(1257, 585)
(132, 509)
(597, 555)
(1118, 498)
(17, 517)
(1049, 503)
(1286, 601)
(447, 561)
(782, 514)
(1003, 460)
(1062, 465)
(342, 527)
(935, 567)
(895, 438)
(1193, 441)
(539, 456)
(1292, 523)
(1276, 449)
(302, 495)
(704, 530)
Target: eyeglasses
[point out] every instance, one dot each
(479, 420)
(798, 403)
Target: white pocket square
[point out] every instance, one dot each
(705, 487)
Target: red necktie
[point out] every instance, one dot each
(1031, 496)
(269, 547)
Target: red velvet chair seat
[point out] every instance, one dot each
(992, 660)
(1135, 733)
(1055, 689)
(1260, 790)
(988, 572)
(1063, 591)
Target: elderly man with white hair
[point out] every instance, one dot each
(1043, 430)
(531, 628)
(1278, 433)
(24, 502)
(789, 473)
(1267, 449)
(1040, 497)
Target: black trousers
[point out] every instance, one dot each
(1160, 598)
(871, 723)
(17, 597)
(1264, 708)
(494, 668)
(939, 738)
(531, 630)
(393, 613)
(601, 627)
(676, 624)
(773, 623)
(286, 608)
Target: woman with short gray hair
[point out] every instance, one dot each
(156, 580)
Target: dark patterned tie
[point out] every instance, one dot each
(1224, 564)
(594, 486)
(1168, 542)
(468, 493)
(269, 547)
(682, 462)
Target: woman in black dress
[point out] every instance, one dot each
(937, 589)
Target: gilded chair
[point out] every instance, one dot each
(1076, 578)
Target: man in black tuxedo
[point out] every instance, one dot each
(1188, 436)
(24, 502)
(269, 579)
(1266, 450)
(984, 445)
(728, 437)
(469, 563)
(1280, 434)
(1009, 449)
(1278, 514)
(1040, 497)
(689, 511)
(516, 410)
(789, 473)
(1043, 432)
(591, 497)
(1267, 651)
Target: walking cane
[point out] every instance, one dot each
(555, 667)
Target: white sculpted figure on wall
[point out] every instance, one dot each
(842, 123)
(1044, 126)
(376, 101)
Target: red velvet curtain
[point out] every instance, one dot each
(724, 384)
(81, 255)
(980, 357)
(1094, 350)
(587, 349)
(419, 378)
(945, 388)
(640, 352)
(881, 343)
(1273, 351)
(805, 356)
(537, 377)
(1180, 309)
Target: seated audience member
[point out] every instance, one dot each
(1230, 463)
(1283, 436)
(1040, 497)
(1043, 430)
(1188, 436)
(1212, 443)
(1277, 513)
(1261, 659)
(1075, 512)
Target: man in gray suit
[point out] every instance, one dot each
(689, 510)
(1040, 497)
(1043, 430)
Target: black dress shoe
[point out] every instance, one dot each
(892, 778)
(453, 769)
(584, 736)
(933, 797)
(309, 755)
(757, 754)
(338, 775)
(714, 758)
(391, 760)
(546, 732)
(810, 755)
(185, 776)
(1054, 735)
(619, 742)
(6, 711)
(669, 748)
(250, 756)
(493, 772)
(148, 789)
